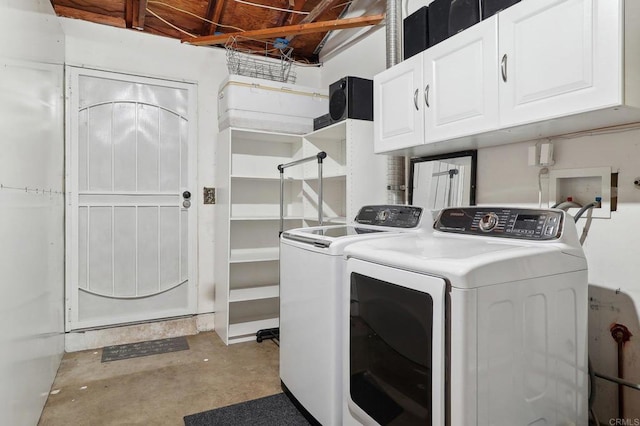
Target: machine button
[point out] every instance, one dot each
(488, 222)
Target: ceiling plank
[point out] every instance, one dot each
(206, 27)
(298, 5)
(314, 14)
(307, 28)
(317, 11)
(70, 12)
(214, 13)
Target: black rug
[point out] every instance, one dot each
(151, 347)
(274, 410)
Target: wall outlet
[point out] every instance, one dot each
(546, 154)
(209, 195)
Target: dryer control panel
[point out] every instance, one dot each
(390, 215)
(529, 224)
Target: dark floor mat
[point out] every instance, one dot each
(274, 410)
(151, 347)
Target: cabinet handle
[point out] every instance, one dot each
(415, 99)
(426, 95)
(503, 66)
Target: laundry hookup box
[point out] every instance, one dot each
(255, 103)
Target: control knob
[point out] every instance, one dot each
(488, 222)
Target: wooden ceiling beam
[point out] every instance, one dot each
(140, 16)
(70, 12)
(317, 11)
(206, 27)
(214, 13)
(298, 5)
(306, 28)
(314, 14)
(128, 13)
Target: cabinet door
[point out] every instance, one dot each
(397, 107)
(559, 57)
(461, 83)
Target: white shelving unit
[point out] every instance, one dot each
(248, 210)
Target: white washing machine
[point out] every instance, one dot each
(482, 323)
(311, 290)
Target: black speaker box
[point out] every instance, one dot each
(416, 32)
(438, 19)
(491, 7)
(322, 121)
(351, 97)
(463, 14)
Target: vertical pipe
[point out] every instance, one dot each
(620, 375)
(320, 201)
(393, 26)
(281, 199)
(321, 156)
(620, 334)
(395, 165)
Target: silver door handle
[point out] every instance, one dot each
(503, 67)
(426, 95)
(415, 99)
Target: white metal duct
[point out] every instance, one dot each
(395, 165)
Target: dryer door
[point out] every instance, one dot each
(395, 346)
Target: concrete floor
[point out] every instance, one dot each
(160, 389)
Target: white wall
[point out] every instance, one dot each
(130, 52)
(365, 59)
(31, 219)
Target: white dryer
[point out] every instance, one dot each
(483, 323)
(311, 290)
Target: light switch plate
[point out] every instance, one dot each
(209, 195)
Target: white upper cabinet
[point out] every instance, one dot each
(460, 82)
(398, 106)
(536, 69)
(559, 57)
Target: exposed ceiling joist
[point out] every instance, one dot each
(214, 13)
(314, 14)
(90, 16)
(298, 5)
(291, 30)
(128, 13)
(138, 18)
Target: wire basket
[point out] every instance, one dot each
(273, 62)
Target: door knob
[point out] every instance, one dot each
(186, 195)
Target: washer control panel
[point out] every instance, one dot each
(530, 224)
(390, 215)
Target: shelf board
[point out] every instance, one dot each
(328, 220)
(264, 136)
(265, 218)
(254, 255)
(340, 176)
(254, 293)
(243, 329)
(267, 178)
(332, 132)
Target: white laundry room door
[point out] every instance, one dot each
(131, 199)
